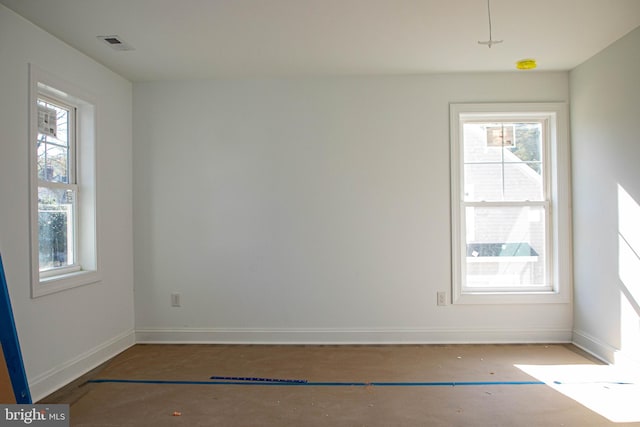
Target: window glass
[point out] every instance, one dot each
(53, 148)
(55, 227)
(502, 161)
(505, 247)
(56, 186)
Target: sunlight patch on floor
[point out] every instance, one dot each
(610, 391)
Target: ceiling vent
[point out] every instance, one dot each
(115, 42)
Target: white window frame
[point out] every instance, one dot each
(557, 204)
(85, 268)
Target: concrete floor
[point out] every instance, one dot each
(435, 385)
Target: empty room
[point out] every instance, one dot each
(321, 212)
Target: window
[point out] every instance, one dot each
(510, 211)
(57, 189)
(63, 191)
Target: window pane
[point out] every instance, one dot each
(54, 151)
(527, 145)
(503, 161)
(521, 183)
(489, 142)
(480, 144)
(55, 227)
(505, 247)
(53, 163)
(483, 181)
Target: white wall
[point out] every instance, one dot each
(64, 334)
(606, 176)
(311, 210)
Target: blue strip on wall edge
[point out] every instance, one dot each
(11, 345)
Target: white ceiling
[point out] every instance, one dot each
(193, 39)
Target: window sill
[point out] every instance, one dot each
(543, 297)
(53, 284)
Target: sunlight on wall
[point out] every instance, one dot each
(629, 273)
(611, 391)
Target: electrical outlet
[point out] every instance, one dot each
(442, 298)
(175, 300)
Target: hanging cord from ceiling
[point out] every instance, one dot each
(491, 41)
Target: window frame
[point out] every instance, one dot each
(85, 269)
(555, 160)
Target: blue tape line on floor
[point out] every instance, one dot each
(324, 384)
(256, 379)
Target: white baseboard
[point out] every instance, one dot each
(59, 376)
(604, 351)
(594, 346)
(349, 336)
